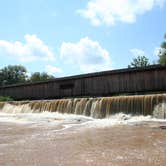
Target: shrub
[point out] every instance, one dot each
(5, 98)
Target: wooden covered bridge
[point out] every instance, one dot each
(151, 79)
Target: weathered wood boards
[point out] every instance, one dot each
(108, 83)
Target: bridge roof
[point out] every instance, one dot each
(88, 75)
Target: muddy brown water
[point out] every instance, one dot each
(75, 143)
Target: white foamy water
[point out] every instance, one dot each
(70, 120)
(42, 118)
(122, 119)
(52, 138)
(83, 132)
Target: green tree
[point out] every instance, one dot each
(162, 53)
(13, 75)
(37, 76)
(140, 61)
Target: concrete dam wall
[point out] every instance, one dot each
(151, 79)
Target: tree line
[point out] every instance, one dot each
(18, 73)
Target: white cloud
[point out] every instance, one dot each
(137, 52)
(52, 70)
(87, 54)
(108, 12)
(159, 51)
(33, 49)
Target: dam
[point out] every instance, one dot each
(101, 107)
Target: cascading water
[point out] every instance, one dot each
(101, 107)
(84, 131)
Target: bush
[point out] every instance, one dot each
(5, 98)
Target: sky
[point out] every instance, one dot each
(70, 37)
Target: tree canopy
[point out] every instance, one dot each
(13, 75)
(37, 76)
(140, 61)
(162, 53)
(18, 74)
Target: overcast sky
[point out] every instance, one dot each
(68, 37)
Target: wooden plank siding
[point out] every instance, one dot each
(108, 83)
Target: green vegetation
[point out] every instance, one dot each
(13, 75)
(18, 74)
(37, 76)
(162, 53)
(140, 61)
(5, 98)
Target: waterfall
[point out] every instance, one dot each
(101, 107)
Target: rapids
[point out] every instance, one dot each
(105, 131)
(98, 108)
